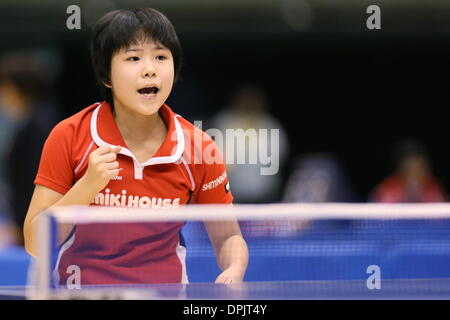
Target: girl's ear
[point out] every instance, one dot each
(106, 84)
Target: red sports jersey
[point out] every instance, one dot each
(181, 171)
(394, 189)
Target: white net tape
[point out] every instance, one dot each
(254, 212)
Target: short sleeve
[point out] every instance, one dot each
(56, 166)
(214, 187)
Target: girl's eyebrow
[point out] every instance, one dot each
(156, 47)
(133, 49)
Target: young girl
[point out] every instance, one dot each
(132, 150)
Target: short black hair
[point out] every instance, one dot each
(409, 148)
(119, 29)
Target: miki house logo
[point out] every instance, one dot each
(131, 201)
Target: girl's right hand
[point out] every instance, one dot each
(102, 167)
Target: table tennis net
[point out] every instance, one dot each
(103, 247)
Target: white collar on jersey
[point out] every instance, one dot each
(152, 161)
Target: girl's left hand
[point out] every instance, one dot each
(229, 275)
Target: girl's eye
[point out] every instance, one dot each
(133, 59)
(161, 57)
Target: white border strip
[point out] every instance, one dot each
(189, 173)
(63, 249)
(204, 212)
(84, 158)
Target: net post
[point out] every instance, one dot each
(43, 277)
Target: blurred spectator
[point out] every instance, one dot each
(318, 178)
(8, 234)
(412, 181)
(315, 178)
(25, 83)
(248, 109)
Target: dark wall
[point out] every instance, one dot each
(350, 93)
(355, 96)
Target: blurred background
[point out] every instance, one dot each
(353, 105)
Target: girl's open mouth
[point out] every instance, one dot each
(148, 92)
